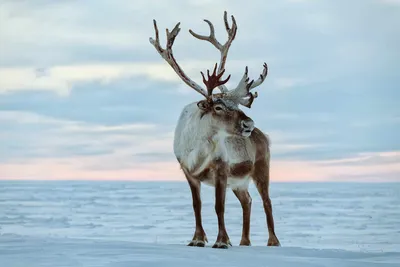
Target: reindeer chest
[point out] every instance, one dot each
(219, 156)
(201, 153)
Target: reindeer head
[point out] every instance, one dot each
(221, 108)
(222, 113)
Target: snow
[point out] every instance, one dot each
(149, 223)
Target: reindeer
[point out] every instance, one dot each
(215, 142)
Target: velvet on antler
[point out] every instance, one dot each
(224, 49)
(214, 80)
(241, 94)
(169, 57)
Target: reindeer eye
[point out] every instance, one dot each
(218, 108)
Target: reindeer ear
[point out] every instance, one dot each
(203, 105)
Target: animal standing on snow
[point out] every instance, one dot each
(217, 144)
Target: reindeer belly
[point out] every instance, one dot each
(238, 175)
(232, 182)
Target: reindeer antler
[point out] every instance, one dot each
(214, 80)
(169, 57)
(242, 90)
(222, 48)
(241, 94)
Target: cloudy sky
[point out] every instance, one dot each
(84, 95)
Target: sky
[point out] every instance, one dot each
(84, 95)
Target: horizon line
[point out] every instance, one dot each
(184, 181)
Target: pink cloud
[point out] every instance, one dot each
(281, 170)
(71, 169)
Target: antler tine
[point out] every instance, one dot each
(242, 91)
(231, 36)
(234, 25)
(214, 71)
(168, 56)
(262, 77)
(222, 48)
(247, 102)
(156, 42)
(211, 38)
(171, 36)
(214, 80)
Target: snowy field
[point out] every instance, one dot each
(149, 224)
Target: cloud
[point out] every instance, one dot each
(102, 168)
(394, 2)
(62, 79)
(116, 122)
(83, 94)
(31, 136)
(75, 169)
(60, 149)
(361, 159)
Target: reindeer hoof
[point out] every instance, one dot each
(273, 242)
(245, 243)
(222, 245)
(197, 243)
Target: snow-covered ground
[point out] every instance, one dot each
(149, 224)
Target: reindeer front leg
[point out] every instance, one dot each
(199, 237)
(220, 193)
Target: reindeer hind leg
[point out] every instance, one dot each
(261, 180)
(245, 200)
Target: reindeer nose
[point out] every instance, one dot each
(248, 125)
